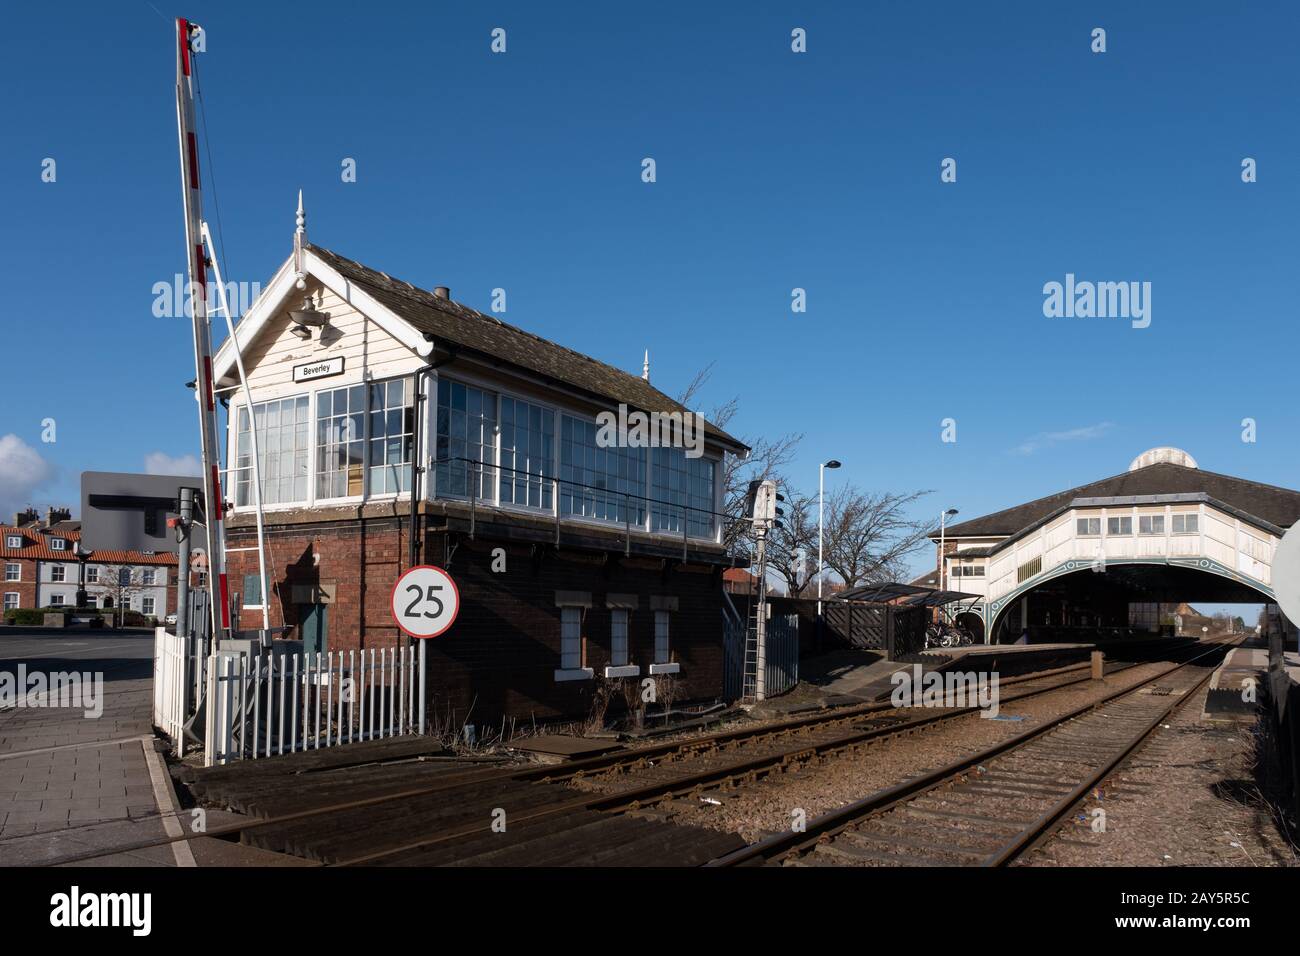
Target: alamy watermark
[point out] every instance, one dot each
(915, 688)
(73, 909)
(1103, 300)
(57, 689)
(636, 429)
(175, 299)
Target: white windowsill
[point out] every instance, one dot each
(672, 668)
(575, 673)
(626, 670)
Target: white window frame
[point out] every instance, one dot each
(1157, 523)
(412, 384)
(667, 510)
(149, 576)
(1186, 516)
(58, 573)
(312, 464)
(58, 544)
(92, 575)
(620, 644)
(236, 477)
(13, 541)
(147, 605)
(642, 525)
(571, 668)
(1087, 521)
(17, 570)
(243, 597)
(547, 485)
(17, 600)
(56, 600)
(1121, 520)
(560, 411)
(663, 645)
(494, 390)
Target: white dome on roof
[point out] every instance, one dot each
(1165, 453)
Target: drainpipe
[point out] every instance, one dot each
(421, 378)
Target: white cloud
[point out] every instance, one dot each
(161, 463)
(22, 471)
(1047, 439)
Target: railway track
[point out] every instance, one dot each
(689, 766)
(257, 789)
(989, 808)
(336, 812)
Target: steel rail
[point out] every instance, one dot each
(626, 800)
(579, 768)
(1032, 835)
(842, 818)
(622, 801)
(633, 800)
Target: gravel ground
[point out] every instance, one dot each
(1190, 797)
(773, 802)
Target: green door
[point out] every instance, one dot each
(314, 627)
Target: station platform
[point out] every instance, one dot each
(1238, 685)
(866, 676)
(1011, 651)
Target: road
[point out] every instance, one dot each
(80, 777)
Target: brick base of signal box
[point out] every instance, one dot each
(500, 657)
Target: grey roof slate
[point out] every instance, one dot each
(1269, 503)
(451, 323)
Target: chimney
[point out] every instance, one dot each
(441, 292)
(55, 515)
(26, 517)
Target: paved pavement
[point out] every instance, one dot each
(72, 782)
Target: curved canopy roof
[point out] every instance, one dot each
(1267, 504)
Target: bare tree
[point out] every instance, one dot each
(767, 457)
(790, 546)
(117, 581)
(869, 534)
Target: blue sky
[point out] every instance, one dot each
(775, 170)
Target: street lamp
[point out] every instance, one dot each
(943, 564)
(821, 494)
(82, 557)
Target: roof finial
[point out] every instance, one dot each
(300, 237)
(645, 366)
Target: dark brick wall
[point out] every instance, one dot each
(502, 653)
(499, 658)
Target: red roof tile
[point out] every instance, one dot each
(36, 547)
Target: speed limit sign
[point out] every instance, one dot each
(425, 601)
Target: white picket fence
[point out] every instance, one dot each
(269, 703)
(169, 685)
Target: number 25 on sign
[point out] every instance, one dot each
(425, 601)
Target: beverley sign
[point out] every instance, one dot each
(322, 369)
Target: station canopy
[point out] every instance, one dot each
(895, 592)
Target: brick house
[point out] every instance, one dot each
(43, 567)
(577, 560)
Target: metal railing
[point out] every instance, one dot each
(782, 654)
(268, 704)
(646, 511)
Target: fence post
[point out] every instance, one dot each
(210, 730)
(422, 644)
